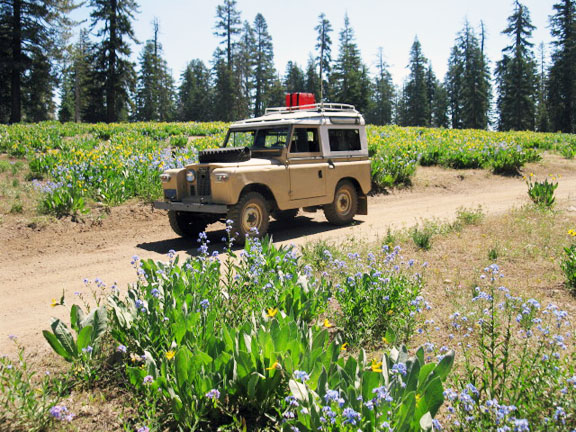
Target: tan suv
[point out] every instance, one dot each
(310, 158)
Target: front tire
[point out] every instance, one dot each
(250, 217)
(342, 210)
(186, 224)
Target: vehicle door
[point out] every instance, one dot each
(306, 165)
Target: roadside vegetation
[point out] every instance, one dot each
(325, 337)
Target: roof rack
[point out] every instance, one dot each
(321, 107)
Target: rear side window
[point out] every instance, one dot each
(305, 140)
(344, 139)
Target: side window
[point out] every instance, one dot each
(305, 140)
(344, 139)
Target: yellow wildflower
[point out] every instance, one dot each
(327, 323)
(344, 346)
(376, 366)
(170, 354)
(54, 303)
(271, 312)
(385, 340)
(276, 365)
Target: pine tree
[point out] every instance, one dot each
(542, 119)
(468, 81)
(562, 78)
(516, 74)
(417, 100)
(115, 28)
(155, 95)
(350, 81)
(230, 101)
(194, 94)
(312, 78)
(324, 59)
(29, 35)
(264, 72)
(381, 111)
(227, 27)
(294, 78)
(244, 63)
(75, 80)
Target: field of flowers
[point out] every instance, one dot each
(73, 165)
(268, 338)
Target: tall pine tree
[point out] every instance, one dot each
(194, 93)
(381, 107)
(516, 74)
(113, 18)
(562, 79)
(29, 34)
(417, 109)
(542, 118)
(264, 72)
(468, 81)
(229, 100)
(75, 80)
(155, 95)
(350, 81)
(324, 58)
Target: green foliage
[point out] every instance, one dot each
(376, 302)
(89, 330)
(469, 216)
(26, 396)
(422, 237)
(517, 368)
(569, 266)
(542, 192)
(399, 393)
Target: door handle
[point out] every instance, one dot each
(331, 164)
(319, 173)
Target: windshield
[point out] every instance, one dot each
(264, 138)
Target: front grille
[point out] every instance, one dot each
(203, 182)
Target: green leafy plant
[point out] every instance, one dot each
(89, 330)
(26, 396)
(517, 369)
(569, 263)
(399, 393)
(422, 238)
(542, 192)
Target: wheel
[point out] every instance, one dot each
(186, 224)
(343, 209)
(285, 215)
(250, 217)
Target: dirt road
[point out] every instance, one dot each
(37, 266)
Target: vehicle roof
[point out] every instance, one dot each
(328, 114)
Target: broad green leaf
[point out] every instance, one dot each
(84, 338)
(298, 390)
(56, 346)
(445, 365)
(76, 317)
(64, 336)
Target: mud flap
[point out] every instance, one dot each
(362, 205)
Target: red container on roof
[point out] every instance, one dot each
(300, 100)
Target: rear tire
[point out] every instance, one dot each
(250, 213)
(185, 224)
(285, 215)
(345, 205)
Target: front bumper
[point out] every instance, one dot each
(191, 207)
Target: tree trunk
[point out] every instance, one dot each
(16, 91)
(112, 78)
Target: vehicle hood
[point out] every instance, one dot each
(249, 163)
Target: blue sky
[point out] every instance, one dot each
(186, 27)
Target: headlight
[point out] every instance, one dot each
(221, 177)
(165, 178)
(190, 176)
